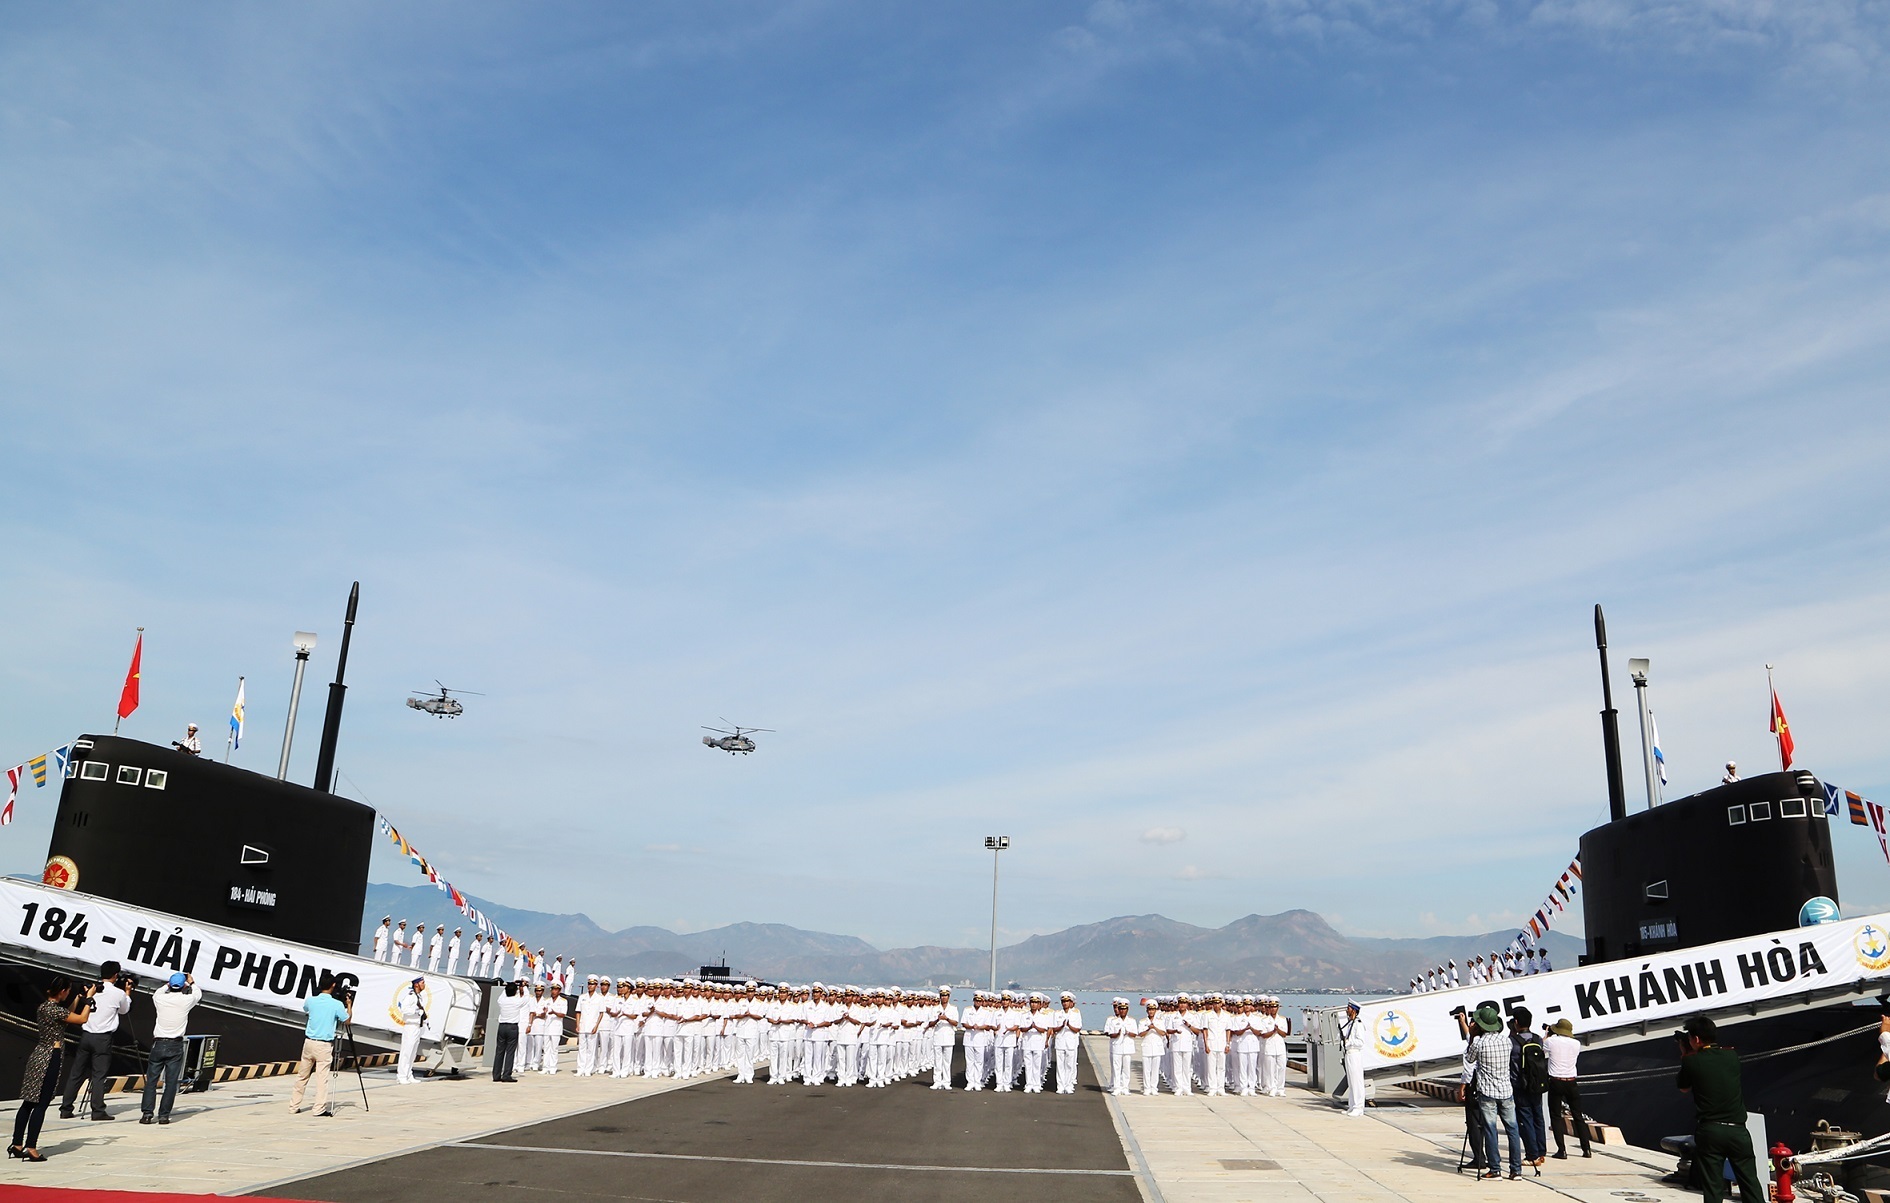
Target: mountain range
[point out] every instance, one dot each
(1293, 951)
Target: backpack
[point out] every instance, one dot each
(1534, 1078)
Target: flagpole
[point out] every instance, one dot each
(121, 696)
(1771, 718)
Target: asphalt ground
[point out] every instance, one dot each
(716, 1141)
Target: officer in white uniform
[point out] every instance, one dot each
(382, 936)
(398, 947)
(590, 1023)
(409, 1010)
(1154, 1046)
(1273, 1049)
(978, 1027)
(943, 1036)
(1253, 1022)
(1352, 1036)
(1068, 1038)
(434, 948)
(1214, 1036)
(1183, 1027)
(1121, 1028)
(417, 945)
(452, 955)
(557, 1006)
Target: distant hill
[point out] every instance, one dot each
(1291, 951)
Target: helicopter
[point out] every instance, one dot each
(443, 704)
(733, 741)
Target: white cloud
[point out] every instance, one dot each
(1164, 835)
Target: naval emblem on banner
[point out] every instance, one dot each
(1873, 947)
(1395, 1034)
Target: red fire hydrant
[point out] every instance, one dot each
(1786, 1171)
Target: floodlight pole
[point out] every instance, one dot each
(997, 844)
(304, 644)
(1637, 668)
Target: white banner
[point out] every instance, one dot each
(234, 964)
(1661, 987)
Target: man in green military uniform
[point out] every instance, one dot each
(1711, 1074)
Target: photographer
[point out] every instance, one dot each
(110, 996)
(55, 1013)
(505, 1054)
(1711, 1074)
(172, 1004)
(332, 1006)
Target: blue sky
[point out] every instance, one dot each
(1186, 437)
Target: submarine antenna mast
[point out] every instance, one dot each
(1610, 728)
(331, 725)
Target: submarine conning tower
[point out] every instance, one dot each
(1735, 860)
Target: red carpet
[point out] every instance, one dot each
(59, 1194)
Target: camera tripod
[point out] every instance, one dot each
(354, 1055)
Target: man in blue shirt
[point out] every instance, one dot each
(325, 1011)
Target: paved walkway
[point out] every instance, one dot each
(239, 1136)
(718, 1141)
(1231, 1149)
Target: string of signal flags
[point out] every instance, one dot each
(492, 930)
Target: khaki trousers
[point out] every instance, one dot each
(318, 1056)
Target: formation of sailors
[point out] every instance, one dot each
(873, 1037)
(1226, 1044)
(1525, 963)
(440, 953)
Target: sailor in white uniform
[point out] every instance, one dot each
(1154, 1047)
(1249, 1020)
(1273, 1049)
(409, 1010)
(590, 1023)
(1068, 1038)
(1352, 1036)
(382, 937)
(557, 1006)
(942, 1036)
(979, 1028)
(452, 955)
(434, 948)
(1120, 1031)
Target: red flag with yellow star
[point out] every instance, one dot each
(1783, 730)
(128, 699)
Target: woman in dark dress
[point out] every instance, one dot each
(41, 1080)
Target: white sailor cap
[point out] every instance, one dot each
(1183, 998)
(818, 986)
(1066, 994)
(1118, 1002)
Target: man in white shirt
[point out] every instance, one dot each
(416, 947)
(1273, 1049)
(1154, 1047)
(382, 936)
(817, 1052)
(93, 1058)
(172, 1004)
(1214, 1036)
(848, 1033)
(1561, 1049)
(1183, 1027)
(512, 1020)
(590, 1024)
(452, 955)
(1068, 1038)
(1035, 1040)
(1011, 1022)
(976, 1024)
(942, 1033)
(1352, 1037)
(409, 1011)
(434, 947)
(1121, 1028)
(1252, 1023)
(529, 1055)
(551, 1029)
